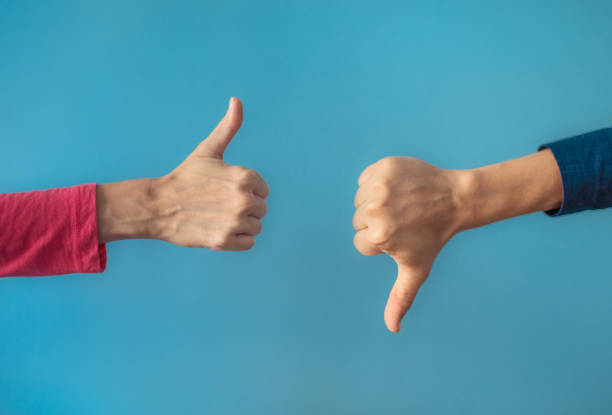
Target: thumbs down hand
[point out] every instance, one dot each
(407, 209)
(410, 209)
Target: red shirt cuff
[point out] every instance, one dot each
(50, 232)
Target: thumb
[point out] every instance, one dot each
(402, 295)
(215, 144)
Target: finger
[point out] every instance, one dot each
(363, 245)
(260, 187)
(366, 175)
(250, 226)
(240, 243)
(360, 197)
(259, 208)
(364, 193)
(218, 140)
(360, 218)
(402, 295)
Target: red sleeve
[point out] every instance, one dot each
(50, 232)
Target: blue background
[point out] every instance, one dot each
(515, 318)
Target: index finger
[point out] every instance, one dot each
(366, 175)
(260, 187)
(362, 195)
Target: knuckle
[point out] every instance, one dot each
(381, 234)
(363, 246)
(239, 171)
(246, 177)
(223, 240)
(374, 208)
(244, 202)
(385, 194)
(217, 244)
(379, 237)
(233, 226)
(385, 161)
(388, 163)
(382, 189)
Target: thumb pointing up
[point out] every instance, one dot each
(407, 284)
(215, 144)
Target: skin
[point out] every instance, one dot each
(204, 202)
(410, 209)
(405, 207)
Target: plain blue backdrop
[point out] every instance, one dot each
(515, 318)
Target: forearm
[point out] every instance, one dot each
(125, 210)
(511, 188)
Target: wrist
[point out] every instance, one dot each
(162, 208)
(466, 184)
(508, 189)
(126, 210)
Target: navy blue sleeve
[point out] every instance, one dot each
(585, 162)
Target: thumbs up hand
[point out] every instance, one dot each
(409, 210)
(207, 203)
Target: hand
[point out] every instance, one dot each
(207, 203)
(407, 209)
(203, 203)
(410, 209)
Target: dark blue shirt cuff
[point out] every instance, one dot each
(585, 162)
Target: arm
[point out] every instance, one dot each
(204, 202)
(410, 209)
(511, 188)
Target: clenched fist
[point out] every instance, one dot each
(204, 202)
(407, 209)
(207, 203)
